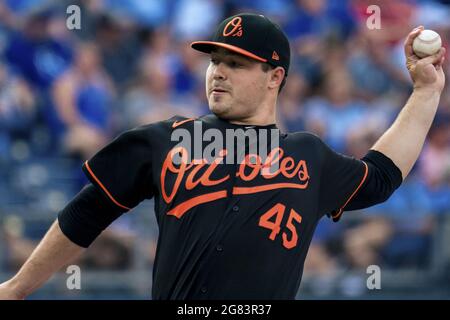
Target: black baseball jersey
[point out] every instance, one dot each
(228, 230)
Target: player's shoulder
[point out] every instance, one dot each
(157, 130)
(304, 137)
(159, 126)
(306, 142)
(179, 121)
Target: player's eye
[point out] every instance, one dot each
(214, 61)
(234, 64)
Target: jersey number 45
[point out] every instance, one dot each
(278, 211)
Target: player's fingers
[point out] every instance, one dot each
(435, 58)
(440, 63)
(409, 40)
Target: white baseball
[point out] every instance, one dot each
(428, 42)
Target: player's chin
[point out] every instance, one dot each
(219, 109)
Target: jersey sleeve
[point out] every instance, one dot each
(123, 169)
(341, 179)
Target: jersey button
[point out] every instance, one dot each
(235, 208)
(219, 248)
(204, 290)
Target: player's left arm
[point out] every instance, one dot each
(403, 141)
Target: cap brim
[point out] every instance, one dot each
(207, 46)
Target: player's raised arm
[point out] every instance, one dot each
(54, 251)
(404, 140)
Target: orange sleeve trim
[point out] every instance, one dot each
(103, 187)
(341, 210)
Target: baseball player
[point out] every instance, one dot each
(235, 230)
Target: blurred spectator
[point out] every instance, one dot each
(111, 251)
(17, 113)
(154, 96)
(149, 13)
(322, 261)
(310, 27)
(377, 59)
(331, 115)
(372, 70)
(17, 247)
(410, 246)
(7, 19)
(190, 21)
(319, 19)
(158, 50)
(363, 243)
(435, 158)
(23, 6)
(278, 10)
(82, 99)
(396, 19)
(189, 72)
(434, 164)
(290, 106)
(119, 48)
(17, 104)
(35, 55)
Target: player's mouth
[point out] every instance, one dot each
(219, 91)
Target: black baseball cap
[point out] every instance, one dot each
(252, 35)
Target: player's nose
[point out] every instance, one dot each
(219, 72)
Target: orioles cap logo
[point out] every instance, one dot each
(275, 56)
(233, 28)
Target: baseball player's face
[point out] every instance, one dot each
(235, 85)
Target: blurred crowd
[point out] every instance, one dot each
(66, 93)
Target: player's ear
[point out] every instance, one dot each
(276, 77)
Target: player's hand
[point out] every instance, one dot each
(427, 72)
(8, 293)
